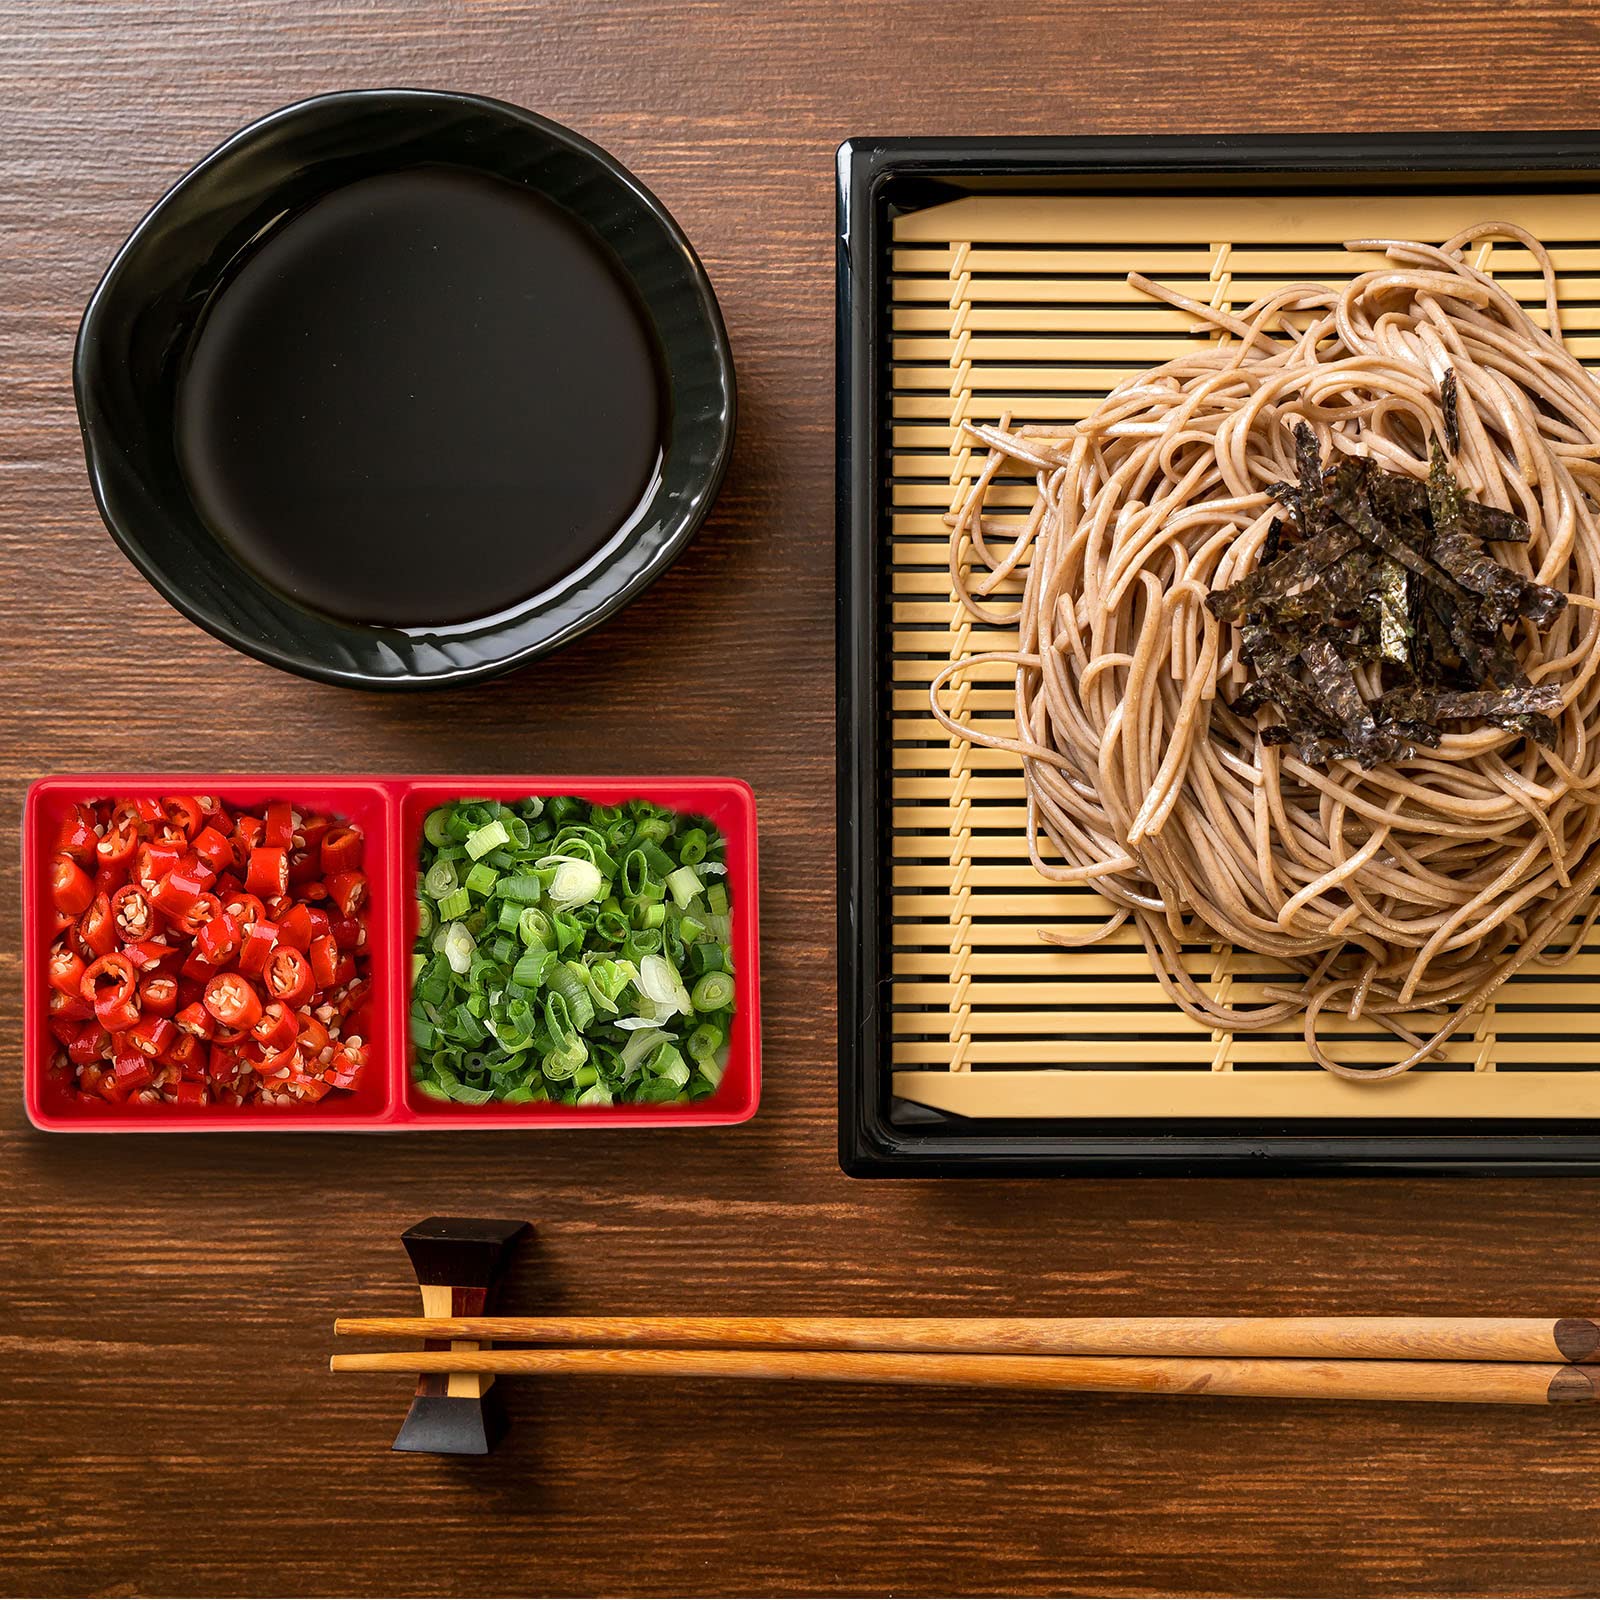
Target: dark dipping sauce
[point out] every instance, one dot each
(428, 396)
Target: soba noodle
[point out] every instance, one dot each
(1419, 886)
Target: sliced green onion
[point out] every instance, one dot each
(713, 992)
(683, 885)
(659, 982)
(554, 938)
(704, 1042)
(489, 837)
(575, 881)
(459, 946)
(454, 905)
(641, 1046)
(440, 879)
(529, 971)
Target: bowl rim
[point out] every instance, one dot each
(453, 676)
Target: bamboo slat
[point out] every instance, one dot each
(1018, 306)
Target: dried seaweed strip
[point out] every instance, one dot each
(1353, 507)
(1452, 420)
(1491, 523)
(1380, 568)
(1289, 571)
(1308, 461)
(1457, 704)
(1465, 561)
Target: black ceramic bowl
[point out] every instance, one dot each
(139, 324)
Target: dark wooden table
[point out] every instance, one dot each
(167, 1424)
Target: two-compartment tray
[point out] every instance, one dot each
(984, 278)
(390, 813)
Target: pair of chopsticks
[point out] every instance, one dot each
(1484, 1360)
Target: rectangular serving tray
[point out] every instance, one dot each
(390, 812)
(1010, 300)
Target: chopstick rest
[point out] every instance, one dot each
(458, 1262)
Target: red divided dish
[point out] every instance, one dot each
(390, 812)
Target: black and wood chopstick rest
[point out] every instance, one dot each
(458, 1262)
(1464, 1360)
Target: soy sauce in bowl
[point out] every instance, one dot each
(402, 388)
(421, 399)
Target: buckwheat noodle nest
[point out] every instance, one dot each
(1411, 890)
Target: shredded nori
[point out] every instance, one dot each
(1452, 419)
(1375, 570)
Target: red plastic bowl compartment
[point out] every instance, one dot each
(390, 812)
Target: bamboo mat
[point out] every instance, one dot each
(1012, 305)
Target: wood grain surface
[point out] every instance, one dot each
(167, 1421)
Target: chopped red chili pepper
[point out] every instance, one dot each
(69, 1008)
(275, 1028)
(342, 850)
(232, 1000)
(324, 957)
(295, 927)
(194, 1019)
(132, 1071)
(303, 867)
(278, 826)
(219, 939)
(111, 987)
(71, 888)
(176, 892)
(205, 908)
(184, 813)
(107, 880)
(132, 914)
(348, 891)
(310, 831)
(245, 909)
(196, 968)
(190, 1055)
(118, 845)
(194, 946)
(91, 1043)
(158, 995)
(288, 976)
(215, 849)
(268, 872)
(151, 1036)
(348, 1059)
(97, 933)
(66, 970)
(152, 861)
(76, 837)
(258, 942)
(314, 1038)
(149, 954)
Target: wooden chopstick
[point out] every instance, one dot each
(1492, 1383)
(1567, 1339)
